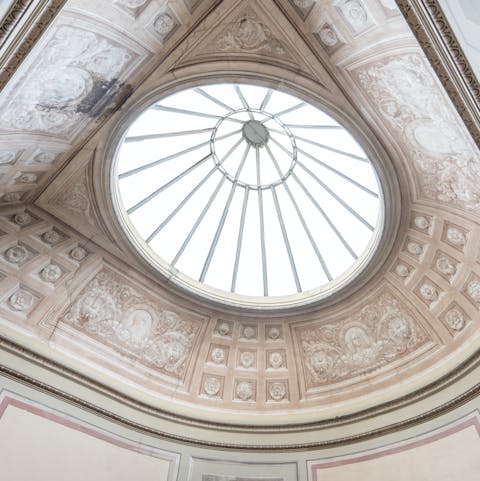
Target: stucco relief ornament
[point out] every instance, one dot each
(428, 292)
(410, 99)
(421, 222)
(249, 332)
(51, 237)
(16, 254)
(21, 300)
(382, 332)
(355, 14)
(51, 273)
(446, 266)
(244, 390)
(45, 157)
(212, 386)
(277, 391)
(415, 248)
(473, 289)
(78, 254)
(164, 24)
(64, 75)
(218, 355)
(273, 333)
(27, 178)
(223, 329)
(133, 7)
(22, 219)
(456, 237)
(76, 199)
(402, 270)
(455, 319)
(6, 156)
(328, 36)
(275, 360)
(111, 310)
(247, 359)
(12, 196)
(251, 35)
(135, 327)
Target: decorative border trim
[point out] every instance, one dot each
(39, 19)
(468, 365)
(434, 34)
(12, 17)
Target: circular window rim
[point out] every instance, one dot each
(345, 285)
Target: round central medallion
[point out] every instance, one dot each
(255, 133)
(254, 161)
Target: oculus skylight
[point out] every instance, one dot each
(247, 191)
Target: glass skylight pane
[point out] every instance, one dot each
(248, 190)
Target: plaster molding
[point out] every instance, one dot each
(15, 51)
(469, 365)
(435, 36)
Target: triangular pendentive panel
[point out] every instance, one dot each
(70, 198)
(257, 32)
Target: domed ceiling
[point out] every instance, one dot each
(75, 290)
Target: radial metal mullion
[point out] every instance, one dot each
(173, 156)
(213, 99)
(197, 222)
(286, 111)
(244, 101)
(274, 160)
(224, 216)
(325, 216)
(337, 198)
(320, 127)
(160, 161)
(322, 146)
(240, 239)
(285, 239)
(331, 149)
(280, 145)
(193, 113)
(300, 216)
(138, 138)
(262, 225)
(266, 99)
(168, 184)
(179, 206)
(340, 174)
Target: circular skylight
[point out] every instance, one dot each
(242, 190)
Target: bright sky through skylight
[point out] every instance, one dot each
(248, 189)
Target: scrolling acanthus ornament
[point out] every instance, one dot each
(407, 95)
(109, 310)
(382, 333)
(74, 66)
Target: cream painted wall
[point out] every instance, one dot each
(36, 448)
(455, 457)
(45, 437)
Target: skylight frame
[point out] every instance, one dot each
(233, 299)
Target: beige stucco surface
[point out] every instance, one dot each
(453, 458)
(32, 447)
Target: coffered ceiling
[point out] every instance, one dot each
(73, 289)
